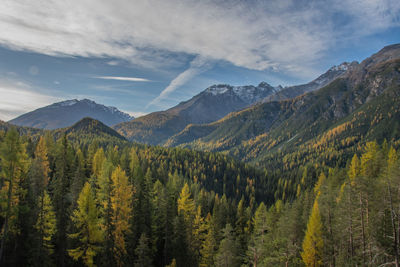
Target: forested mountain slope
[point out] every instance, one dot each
(214, 103)
(208, 106)
(362, 105)
(87, 130)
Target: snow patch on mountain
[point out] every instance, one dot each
(345, 66)
(247, 93)
(66, 103)
(218, 89)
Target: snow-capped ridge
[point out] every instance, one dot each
(218, 89)
(345, 66)
(247, 93)
(66, 103)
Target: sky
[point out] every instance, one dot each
(145, 56)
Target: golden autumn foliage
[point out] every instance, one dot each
(121, 203)
(313, 243)
(354, 170)
(98, 161)
(186, 204)
(43, 162)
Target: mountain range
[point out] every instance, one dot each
(213, 104)
(361, 105)
(66, 113)
(348, 105)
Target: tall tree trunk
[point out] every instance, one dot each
(332, 250)
(351, 228)
(367, 227)
(41, 252)
(392, 216)
(398, 225)
(362, 228)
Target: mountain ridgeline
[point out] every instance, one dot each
(321, 81)
(66, 113)
(213, 104)
(208, 106)
(359, 106)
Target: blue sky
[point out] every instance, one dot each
(144, 56)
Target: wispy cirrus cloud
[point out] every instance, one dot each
(117, 78)
(197, 65)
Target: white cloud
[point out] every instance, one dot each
(18, 98)
(129, 79)
(283, 34)
(113, 63)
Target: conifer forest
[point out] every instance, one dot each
(74, 203)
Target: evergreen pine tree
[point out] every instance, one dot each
(228, 249)
(256, 250)
(13, 171)
(61, 197)
(209, 245)
(143, 252)
(103, 196)
(42, 208)
(46, 228)
(79, 176)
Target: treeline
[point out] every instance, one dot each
(67, 204)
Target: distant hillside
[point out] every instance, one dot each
(5, 126)
(66, 113)
(88, 129)
(361, 105)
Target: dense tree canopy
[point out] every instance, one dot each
(67, 203)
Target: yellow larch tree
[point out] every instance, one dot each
(87, 222)
(121, 203)
(313, 243)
